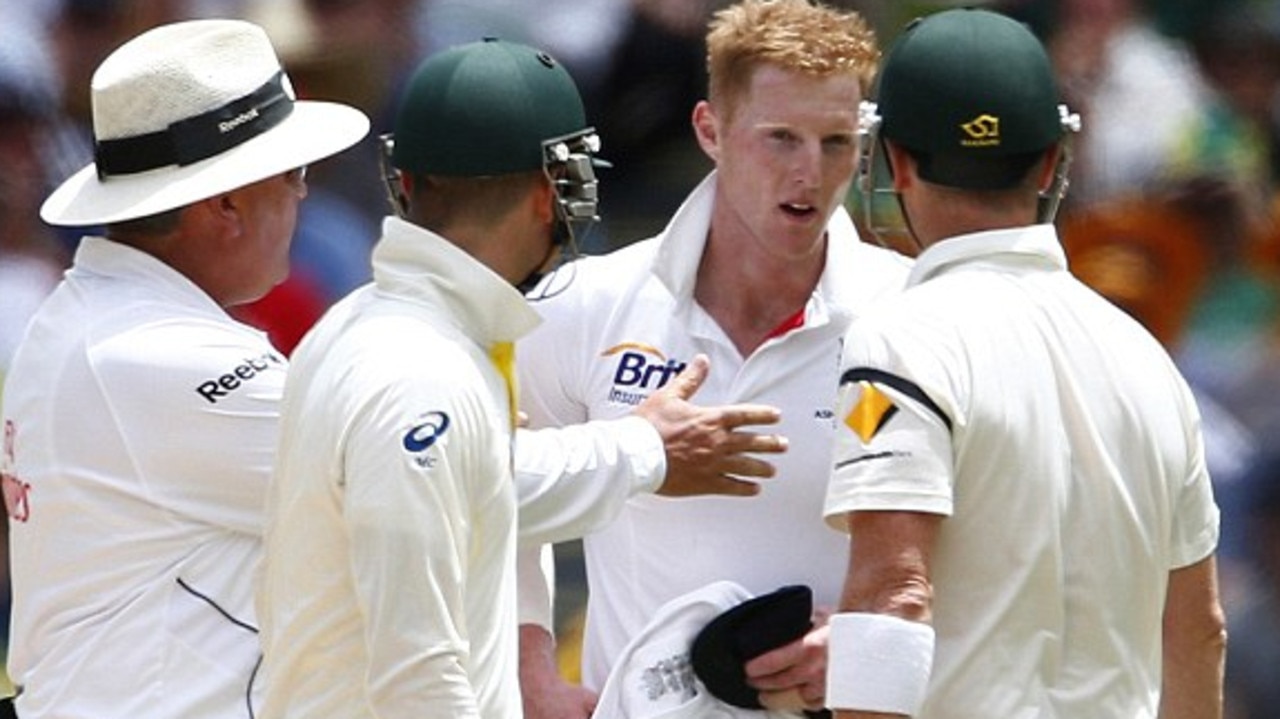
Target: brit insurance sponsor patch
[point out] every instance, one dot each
(638, 370)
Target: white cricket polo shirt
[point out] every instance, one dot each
(140, 425)
(388, 583)
(1064, 447)
(625, 326)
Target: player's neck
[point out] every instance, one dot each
(750, 295)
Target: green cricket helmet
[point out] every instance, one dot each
(492, 108)
(972, 94)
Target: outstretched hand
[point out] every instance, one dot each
(707, 451)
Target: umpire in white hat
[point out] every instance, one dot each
(140, 420)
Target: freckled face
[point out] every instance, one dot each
(785, 157)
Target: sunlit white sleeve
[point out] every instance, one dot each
(536, 585)
(571, 480)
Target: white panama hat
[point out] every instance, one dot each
(187, 111)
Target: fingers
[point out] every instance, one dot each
(787, 700)
(822, 615)
(720, 466)
(706, 451)
(750, 442)
(690, 380)
(697, 483)
(740, 415)
(777, 668)
(793, 699)
(691, 377)
(740, 465)
(733, 487)
(792, 676)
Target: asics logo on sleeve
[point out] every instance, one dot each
(425, 432)
(224, 384)
(640, 369)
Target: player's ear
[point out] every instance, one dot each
(706, 128)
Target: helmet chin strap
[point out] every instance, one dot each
(1051, 197)
(562, 251)
(391, 176)
(906, 219)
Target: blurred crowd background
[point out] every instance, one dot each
(1173, 211)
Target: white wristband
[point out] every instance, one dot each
(878, 663)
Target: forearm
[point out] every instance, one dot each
(881, 644)
(1192, 687)
(544, 692)
(1195, 643)
(572, 480)
(537, 655)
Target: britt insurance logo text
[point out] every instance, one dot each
(641, 369)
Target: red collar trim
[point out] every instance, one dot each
(795, 321)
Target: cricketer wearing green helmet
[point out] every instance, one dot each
(980, 124)
(388, 583)
(491, 109)
(1000, 419)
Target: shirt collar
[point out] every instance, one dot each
(108, 258)
(683, 240)
(1030, 246)
(413, 262)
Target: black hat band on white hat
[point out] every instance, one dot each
(189, 141)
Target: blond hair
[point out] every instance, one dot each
(795, 35)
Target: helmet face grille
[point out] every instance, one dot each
(570, 163)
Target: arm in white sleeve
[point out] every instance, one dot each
(575, 479)
(409, 549)
(536, 582)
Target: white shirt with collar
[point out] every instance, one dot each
(624, 326)
(1064, 448)
(413, 348)
(388, 585)
(140, 424)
